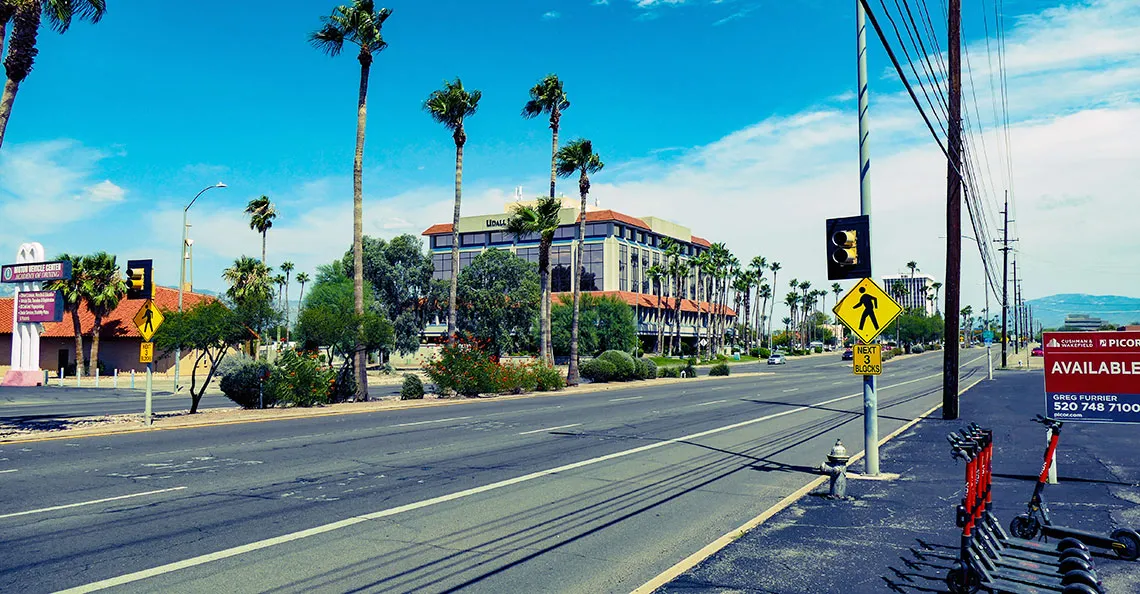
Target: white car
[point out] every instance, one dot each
(777, 359)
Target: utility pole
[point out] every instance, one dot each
(1017, 315)
(1005, 285)
(870, 399)
(953, 215)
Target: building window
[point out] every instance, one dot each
(623, 268)
(468, 239)
(528, 238)
(501, 237)
(597, 229)
(593, 268)
(528, 254)
(635, 270)
(441, 241)
(442, 264)
(566, 232)
(629, 233)
(465, 259)
(560, 258)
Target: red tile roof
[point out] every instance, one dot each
(650, 301)
(438, 229)
(597, 216)
(117, 325)
(701, 241)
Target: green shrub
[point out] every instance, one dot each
(598, 370)
(917, 349)
(669, 372)
(641, 369)
(817, 350)
(896, 351)
(624, 367)
(513, 378)
(546, 378)
(241, 384)
(763, 353)
(719, 369)
(300, 379)
(413, 388)
(719, 357)
(650, 368)
(689, 370)
(463, 368)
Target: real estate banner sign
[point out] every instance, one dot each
(1092, 376)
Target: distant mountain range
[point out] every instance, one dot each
(1113, 309)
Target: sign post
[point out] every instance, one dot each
(867, 310)
(147, 320)
(988, 336)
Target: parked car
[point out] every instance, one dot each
(848, 354)
(777, 359)
(1037, 352)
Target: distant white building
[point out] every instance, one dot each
(915, 292)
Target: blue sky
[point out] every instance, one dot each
(733, 116)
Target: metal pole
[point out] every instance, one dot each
(1053, 466)
(149, 385)
(870, 399)
(181, 284)
(989, 343)
(950, 360)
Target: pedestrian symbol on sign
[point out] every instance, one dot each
(868, 303)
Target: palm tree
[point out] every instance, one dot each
(249, 281)
(541, 219)
(578, 157)
(765, 293)
(936, 287)
(287, 268)
(837, 289)
(967, 313)
(261, 214)
(302, 278)
(279, 280)
(913, 266)
(548, 97)
(451, 106)
(360, 24)
(72, 292)
(804, 286)
(702, 267)
(792, 299)
(759, 266)
(26, 17)
(899, 290)
(787, 329)
(656, 273)
(775, 268)
(103, 287)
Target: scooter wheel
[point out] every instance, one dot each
(1024, 526)
(1078, 576)
(957, 585)
(1131, 541)
(1079, 589)
(1076, 554)
(1073, 562)
(1066, 544)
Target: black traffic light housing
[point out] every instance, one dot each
(849, 248)
(139, 279)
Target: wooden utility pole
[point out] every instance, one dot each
(953, 215)
(1016, 313)
(1005, 286)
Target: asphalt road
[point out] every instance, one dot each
(594, 492)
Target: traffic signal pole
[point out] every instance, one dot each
(870, 399)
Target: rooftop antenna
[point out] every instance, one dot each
(518, 193)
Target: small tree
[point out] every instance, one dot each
(210, 329)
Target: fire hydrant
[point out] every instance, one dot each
(836, 468)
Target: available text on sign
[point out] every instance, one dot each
(39, 307)
(1092, 376)
(868, 359)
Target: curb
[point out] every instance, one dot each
(715, 546)
(304, 413)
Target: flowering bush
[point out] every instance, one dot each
(465, 368)
(300, 379)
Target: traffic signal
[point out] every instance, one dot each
(849, 248)
(139, 279)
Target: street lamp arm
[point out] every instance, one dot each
(217, 185)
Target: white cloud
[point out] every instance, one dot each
(549, 16)
(104, 191)
(600, 2)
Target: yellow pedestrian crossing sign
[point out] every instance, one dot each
(148, 320)
(866, 309)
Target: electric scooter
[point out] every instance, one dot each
(1125, 542)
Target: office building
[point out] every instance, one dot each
(618, 252)
(1082, 322)
(912, 291)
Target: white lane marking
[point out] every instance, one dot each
(836, 383)
(284, 538)
(549, 429)
(713, 402)
(9, 470)
(435, 421)
(96, 501)
(791, 389)
(629, 398)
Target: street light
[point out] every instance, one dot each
(182, 278)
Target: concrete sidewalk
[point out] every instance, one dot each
(886, 538)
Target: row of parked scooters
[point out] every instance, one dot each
(995, 561)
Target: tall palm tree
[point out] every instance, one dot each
(249, 281)
(806, 310)
(899, 291)
(451, 106)
(287, 268)
(765, 293)
(743, 287)
(548, 97)
(837, 289)
(578, 157)
(103, 287)
(759, 265)
(72, 292)
(279, 280)
(302, 278)
(913, 266)
(787, 328)
(656, 273)
(702, 267)
(775, 268)
(541, 219)
(261, 214)
(26, 17)
(792, 300)
(935, 287)
(361, 24)
(967, 316)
